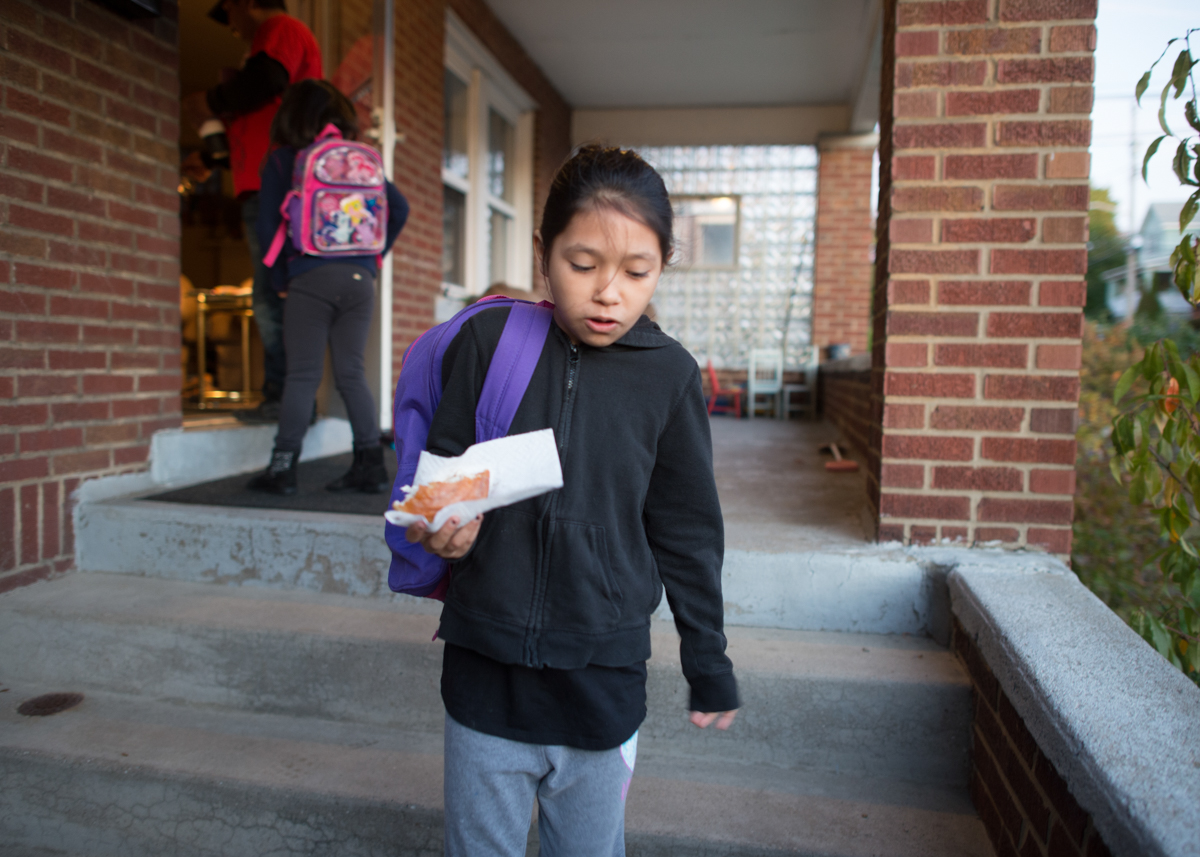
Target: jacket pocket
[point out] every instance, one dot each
(581, 590)
(496, 578)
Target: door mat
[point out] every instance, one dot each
(312, 477)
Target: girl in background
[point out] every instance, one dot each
(329, 301)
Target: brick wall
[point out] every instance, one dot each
(420, 39)
(1026, 806)
(980, 288)
(845, 234)
(89, 261)
(844, 394)
(419, 52)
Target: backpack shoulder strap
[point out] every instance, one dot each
(511, 369)
(280, 233)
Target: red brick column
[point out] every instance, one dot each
(420, 49)
(89, 261)
(844, 241)
(980, 283)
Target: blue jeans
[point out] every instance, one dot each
(268, 308)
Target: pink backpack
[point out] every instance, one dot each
(338, 202)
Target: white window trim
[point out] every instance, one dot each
(490, 87)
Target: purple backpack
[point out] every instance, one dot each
(418, 391)
(338, 202)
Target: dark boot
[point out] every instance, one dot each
(280, 475)
(367, 473)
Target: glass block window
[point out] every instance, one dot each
(741, 276)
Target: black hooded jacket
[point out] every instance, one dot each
(570, 578)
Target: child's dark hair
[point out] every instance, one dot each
(618, 179)
(308, 106)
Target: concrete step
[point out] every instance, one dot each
(121, 775)
(867, 706)
(780, 581)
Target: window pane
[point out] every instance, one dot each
(498, 232)
(716, 244)
(454, 147)
(454, 243)
(500, 142)
(707, 230)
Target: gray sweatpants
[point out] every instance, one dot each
(331, 304)
(491, 784)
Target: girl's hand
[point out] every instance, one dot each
(702, 719)
(452, 541)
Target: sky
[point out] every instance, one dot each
(1130, 36)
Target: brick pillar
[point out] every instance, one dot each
(417, 257)
(979, 288)
(89, 261)
(845, 236)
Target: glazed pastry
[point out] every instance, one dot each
(430, 499)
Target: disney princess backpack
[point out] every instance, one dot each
(338, 202)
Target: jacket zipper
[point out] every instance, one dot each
(549, 522)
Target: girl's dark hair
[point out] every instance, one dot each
(618, 179)
(308, 106)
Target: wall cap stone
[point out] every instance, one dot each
(853, 363)
(1116, 720)
(828, 142)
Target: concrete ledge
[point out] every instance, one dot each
(1116, 720)
(848, 365)
(322, 552)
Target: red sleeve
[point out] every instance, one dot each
(288, 42)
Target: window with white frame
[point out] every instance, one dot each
(706, 230)
(487, 172)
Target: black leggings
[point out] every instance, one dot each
(331, 304)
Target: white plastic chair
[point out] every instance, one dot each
(765, 378)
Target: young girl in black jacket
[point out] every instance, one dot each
(330, 300)
(547, 619)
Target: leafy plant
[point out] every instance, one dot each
(1156, 434)
(1186, 162)
(1114, 542)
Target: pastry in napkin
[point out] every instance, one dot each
(430, 499)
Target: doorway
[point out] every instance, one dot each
(221, 354)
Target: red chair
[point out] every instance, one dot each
(734, 393)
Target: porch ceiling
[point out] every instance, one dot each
(604, 54)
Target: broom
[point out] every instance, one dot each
(839, 464)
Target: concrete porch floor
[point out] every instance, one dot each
(776, 494)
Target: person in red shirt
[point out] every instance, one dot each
(281, 52)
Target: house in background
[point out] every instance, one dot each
(1160, 236)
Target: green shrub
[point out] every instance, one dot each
(1114, 542)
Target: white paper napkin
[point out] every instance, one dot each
(521, 466)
